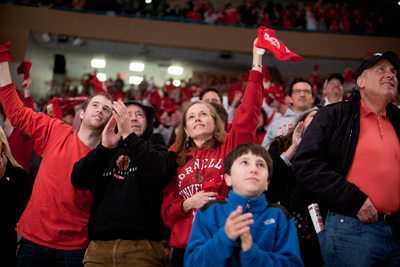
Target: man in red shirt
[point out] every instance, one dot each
(55, 222)
(348, 161)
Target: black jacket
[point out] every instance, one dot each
(126, 183)
(15, 191)
(326, 153)
(282, 182)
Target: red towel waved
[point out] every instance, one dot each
(61, 106)
(267, 40)
(24, 68)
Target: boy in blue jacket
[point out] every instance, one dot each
(244, 230)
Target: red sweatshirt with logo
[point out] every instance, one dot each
(204, 166)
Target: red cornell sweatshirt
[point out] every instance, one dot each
(204, 165)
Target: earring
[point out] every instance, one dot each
(187, 141)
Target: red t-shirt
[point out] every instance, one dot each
(57, 214)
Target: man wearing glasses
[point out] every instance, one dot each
(302, 98)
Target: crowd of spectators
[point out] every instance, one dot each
(365, 18)
(198, 140)
(319, 16)
(168, 98)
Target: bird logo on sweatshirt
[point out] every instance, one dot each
(123, 163)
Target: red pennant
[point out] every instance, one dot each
(267, 40)
(5, 54)
(61, 106)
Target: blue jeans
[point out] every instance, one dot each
(31, 254)
(346, 241)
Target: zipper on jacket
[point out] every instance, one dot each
(349, 140)
(248, 206)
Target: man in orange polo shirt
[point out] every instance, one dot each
(349, 161)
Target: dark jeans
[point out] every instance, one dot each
(31, 254)
(346, 241)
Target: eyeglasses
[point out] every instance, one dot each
(299, 91)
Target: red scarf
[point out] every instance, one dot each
(60, 106)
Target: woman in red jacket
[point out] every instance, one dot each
(201, 146)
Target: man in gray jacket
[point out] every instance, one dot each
(302, 97)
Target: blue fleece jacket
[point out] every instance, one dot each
(275, 241)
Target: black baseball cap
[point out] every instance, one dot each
(150, 112)
(370, 61)
(336, 76)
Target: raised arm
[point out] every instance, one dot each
(247, 115)
(27, 100)
(5, 76)
(36, 125)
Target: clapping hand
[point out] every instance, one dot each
(297, 133)
(237, 224)
(247, 240)
(109, 138)
(122, 118)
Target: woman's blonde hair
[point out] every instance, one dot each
(6, 149)
(183, 143)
